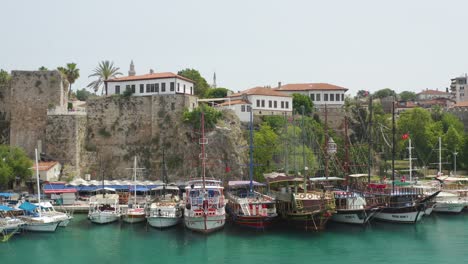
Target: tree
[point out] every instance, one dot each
(362, 94)
(450, 120)
(384, 93)
(43, 68)
(407, 96)
(216, 93)
(104, 71)
(71, 73)
(414, 122)
(300, 100)
(5, 77)
(265, 146)
(13, 163)
(83, 94)
(211, 116)
(201, 85)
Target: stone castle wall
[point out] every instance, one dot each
(5, 113)
(32, 94)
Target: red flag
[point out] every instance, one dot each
(228, 169)
(405, 136)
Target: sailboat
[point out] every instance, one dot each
(134, 213)
(246, 206)
(405, 204)
(165, 210)
(104, 207)
(204, 207)
(33, 216)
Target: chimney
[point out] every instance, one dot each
(151, 71)
(279, 84)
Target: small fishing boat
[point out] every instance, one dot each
(447, 202)
(134, 212)
(9, 223)
(250, 208)
(104, 208)
(165, 210)
(353, 208)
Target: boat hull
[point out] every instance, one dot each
(256, 222)
(163, 222)
(205, 224)
(449, 207)
(134, 218)
(358, 217)
(400, 215)
(103, 218)
(41, 227)
(308, 221)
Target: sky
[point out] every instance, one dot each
(361, 44)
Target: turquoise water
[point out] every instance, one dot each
(437, 239)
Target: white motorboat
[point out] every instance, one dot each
(447, 202)
(8, 222)
(35, 220)
(48, 209)
(104, 208)
(165, 210)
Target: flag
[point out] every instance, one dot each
(227, 169)
(405, 136)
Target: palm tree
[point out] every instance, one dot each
(71, 73)
(104, 71)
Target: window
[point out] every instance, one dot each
(249, 108)
(337, 97)
(133, 88)
(332, 97)
(312, 97)
(172, 86)
(127, 87)
(342, 97)
(258, 103)
(142, 88)
(148, 88)
(282, 104)
(191, 92)
(242, 108)
(178, 87)
(275, 105)
(325, 97)
(117, 89)
(287, 105)
(317, 98)
(270, 104)
(156, 87)
(152, 87)
(263, 103)
(163, 87)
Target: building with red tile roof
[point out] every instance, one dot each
(432, 94)
(321, 94)
(48, 170)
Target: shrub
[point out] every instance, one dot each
(194, 117)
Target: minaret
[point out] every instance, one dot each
(131, 72)
(214, 81)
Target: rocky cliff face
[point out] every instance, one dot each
(119, 128)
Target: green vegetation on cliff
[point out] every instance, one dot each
(194, 117)
(13, 163)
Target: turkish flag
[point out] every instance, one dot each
(227, 169)
(405, 136)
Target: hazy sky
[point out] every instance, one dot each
(358, 44)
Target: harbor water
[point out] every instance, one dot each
(436, 239)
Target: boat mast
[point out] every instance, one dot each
(134, 179)
(303, 150)
(410, 161)
(393, 145)
(164, 169)
(203, 149)
(370, 141)
(38, 184)
(251, 153)
(440, 155)
(286, 152)
(294, 145)
(346, 165)
(326, 143)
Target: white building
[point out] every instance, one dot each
(432, 94)
(458, 87)
(48, 170)
(160, 83)
(262, 101)
(321, 94)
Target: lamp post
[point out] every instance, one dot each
(455, 164)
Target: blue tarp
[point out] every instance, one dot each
(140, 188)
(28, 206)
(6, 195)
(5, 208)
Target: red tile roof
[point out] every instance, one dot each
(461, 104)
(433, 92)
(260, 91)
(310, 86)
(150, 76)
(45, 166)
(234, 102)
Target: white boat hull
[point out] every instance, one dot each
(41, 227)
(360, 218)
(205, 224)
(407, 217)
(449, 207)
(163, 222)
(103, 218)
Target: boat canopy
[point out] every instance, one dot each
(27, 206)
(326, 179)
(244, 183)
(358, 175)
(5, 208)
(167, 187)
(6, 195)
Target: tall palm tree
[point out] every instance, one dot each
(104, 71)
(71, 73)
